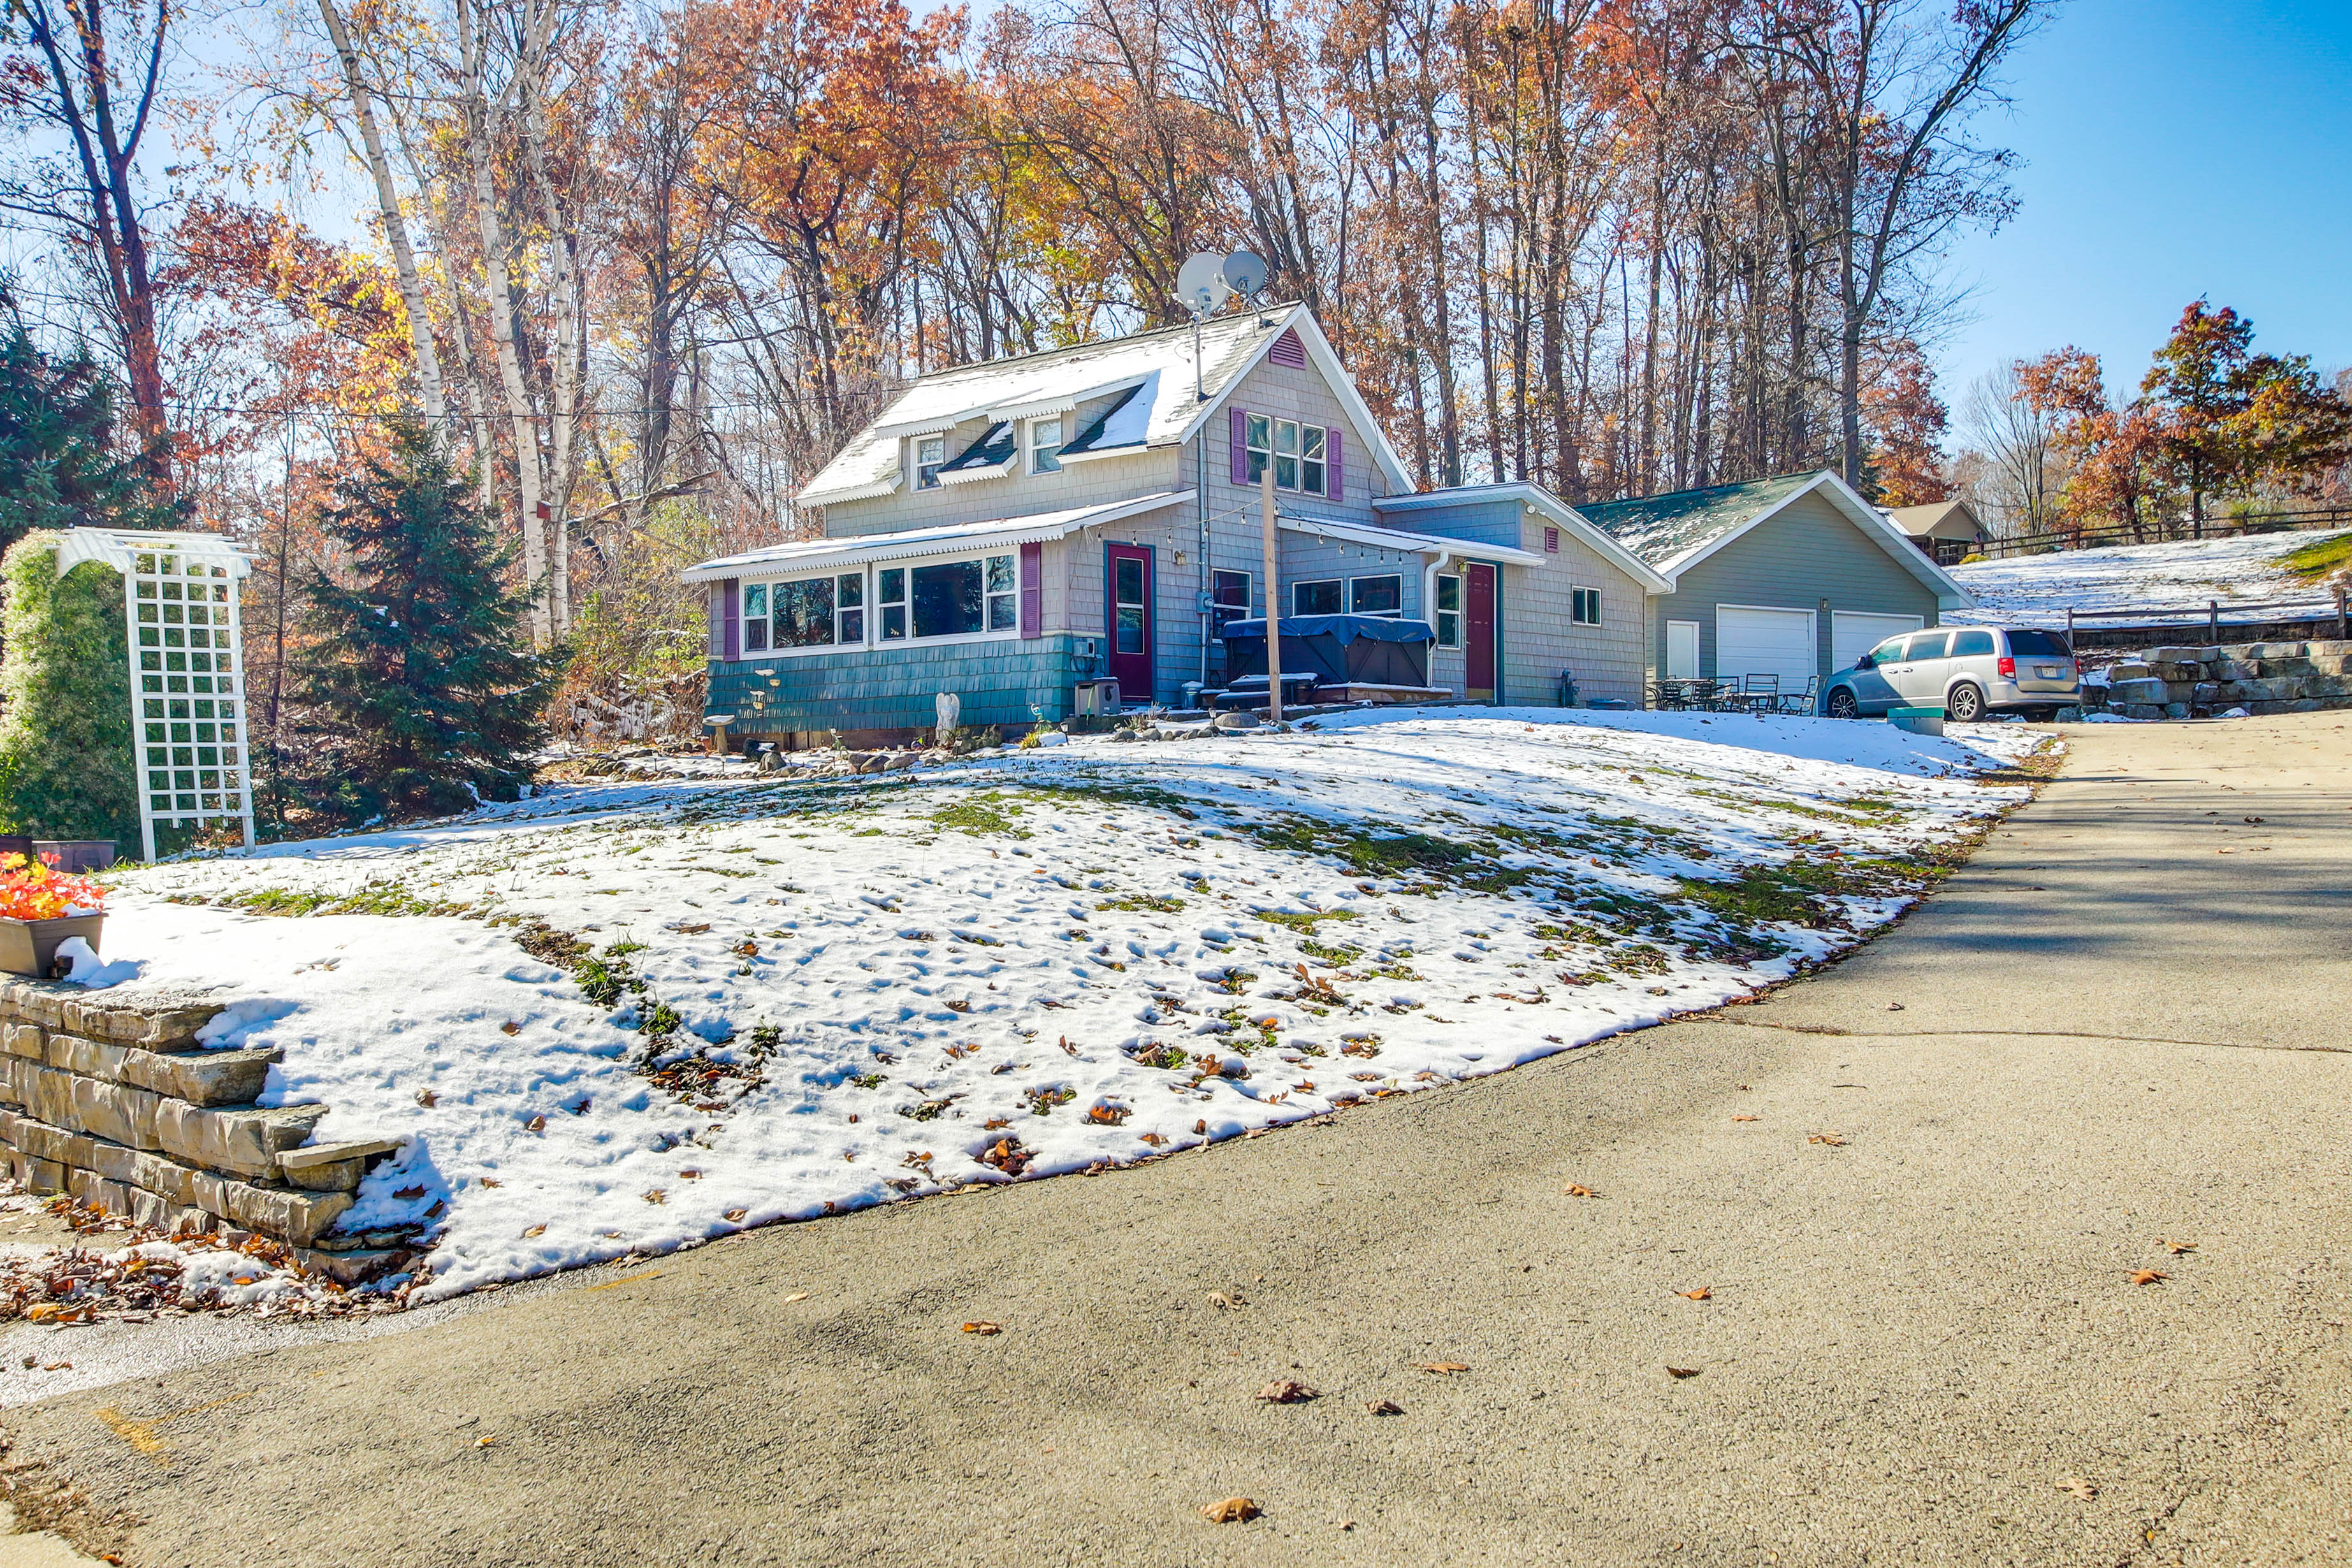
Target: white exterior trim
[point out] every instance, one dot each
(1404, 543)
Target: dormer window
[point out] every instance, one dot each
(931, 455)
(1045, 446)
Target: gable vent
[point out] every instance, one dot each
(1551, 542)
(1287, 350)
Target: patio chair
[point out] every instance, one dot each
(1708, 694)
(1800, 701)
(1670, 696)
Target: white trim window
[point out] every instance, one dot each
(1584, 606)
(930, 457)
(1296, 452)
(1320, 596)
(1045, 446)
(1449, 611)
(1380, 595)
(977, 596)
(804, 613)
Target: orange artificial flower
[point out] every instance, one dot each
(34, 892)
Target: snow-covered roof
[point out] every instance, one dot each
(120, 548)
(817, 555)
(1154, 369)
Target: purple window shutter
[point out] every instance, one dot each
(1240, 446)
(715, 644)
(733, 613)
(1033, 590)
(1331, 461)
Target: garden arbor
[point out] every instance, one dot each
(188, 706)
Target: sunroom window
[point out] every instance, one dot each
(953, 598)
(755, 618)
(812, 611)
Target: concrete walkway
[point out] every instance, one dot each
(1915, 1188)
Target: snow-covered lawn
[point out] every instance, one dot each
(617, 1018)
(2038, 590)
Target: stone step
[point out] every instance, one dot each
(159, 1023)
(333, 1167)
(151, 1188)
(200, 1078)
(244, 1141)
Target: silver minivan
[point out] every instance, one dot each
(1968, 671)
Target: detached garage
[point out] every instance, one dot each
(1789, 577)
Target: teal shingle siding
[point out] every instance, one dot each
(895, 688)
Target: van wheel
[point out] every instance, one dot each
(1841, 704)
(1966, 705)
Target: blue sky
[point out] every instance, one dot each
(2173, 148)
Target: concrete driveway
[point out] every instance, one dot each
(1916, 1189)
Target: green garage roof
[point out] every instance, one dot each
(1662, 529)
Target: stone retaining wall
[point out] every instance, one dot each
(2260, 677)
(112, 1101)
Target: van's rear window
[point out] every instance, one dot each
(2031, 643)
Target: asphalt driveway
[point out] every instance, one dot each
(1915, 1190)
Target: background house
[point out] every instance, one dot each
(1789, 577)
(1945, 531)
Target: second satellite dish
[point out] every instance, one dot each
(1245, 274)
(1200, 284)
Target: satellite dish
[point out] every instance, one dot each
(1200, 284)
(1245, 274)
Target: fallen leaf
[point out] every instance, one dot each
(656, 1196)
(747, 950)
(1581, 1191)
(535, 1230)
(735, 1216)
(536, 1124)
(1747, 1118)
(1154, 1139)
(1702, 1294)
(59, 1366)
(2148, 1277)
(959, 1005)
(1223, 1302)
(404, 1193)
(983, 1328)
(2077, 1486)
(426, 1096)
(490, 1182)
(2177, 1248)
(796, 1296)
(509, 1027)
(1384, 1407)
(1232, 1511)
(1201, 1126)
(995, 1123)
(1895, 1006)
(691, 929)
(484, 1442)
(1681, 1372)
(1286, 1391)
(1831, 1139)
(1443, 1368)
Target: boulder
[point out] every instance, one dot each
(2141, 689)
(1231, 721)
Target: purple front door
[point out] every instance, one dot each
(1131, 631)
(1478, 634)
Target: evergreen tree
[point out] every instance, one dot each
(64, 700)
(421, 672)
(58, 467)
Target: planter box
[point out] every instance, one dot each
(29, 947)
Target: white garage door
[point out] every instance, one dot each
(1854, 634)
(1764, 642)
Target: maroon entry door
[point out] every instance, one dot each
(1478, 633)
(1130, 630)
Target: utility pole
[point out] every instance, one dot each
(1273, 598)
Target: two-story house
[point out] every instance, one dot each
(1005, 531)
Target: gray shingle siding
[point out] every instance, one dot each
(1806, 553)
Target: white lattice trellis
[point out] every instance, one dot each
(187, 671)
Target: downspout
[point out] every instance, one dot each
(1437, 560)
(1201, 495)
